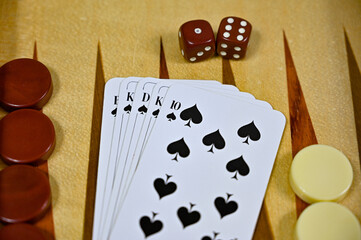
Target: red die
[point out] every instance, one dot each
(196, 40)
(233, 37)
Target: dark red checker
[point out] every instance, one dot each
(24, 194)
(24, 83)
(21, 231)
(26, 136)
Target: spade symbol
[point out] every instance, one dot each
(171, 117)
(225, 207)
(215, 234)
(155, 113)
(164, 188)
(191, 114)
(249, 131)
(114, 112)
(214, 139)
(142, 109)
(128, 108)
(206, 238)
(150, 227)
(238, 165)
(188, 217)
(178, 148)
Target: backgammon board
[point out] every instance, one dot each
(304, 58)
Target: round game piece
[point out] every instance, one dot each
(320, 173)
(327, 220)
(24, 194)
(24, 83)
(26, 136)
(21, 231)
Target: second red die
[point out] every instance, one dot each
(196, 40)
(233, 37)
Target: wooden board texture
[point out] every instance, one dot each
(304, 58)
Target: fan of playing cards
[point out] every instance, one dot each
(182, 159)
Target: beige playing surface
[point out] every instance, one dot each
(67, 34)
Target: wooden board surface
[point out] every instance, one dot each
(304, 58)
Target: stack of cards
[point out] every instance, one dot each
(182, 159)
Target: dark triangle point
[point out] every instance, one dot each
(302, 131)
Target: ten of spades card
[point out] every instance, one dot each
(206, 171)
